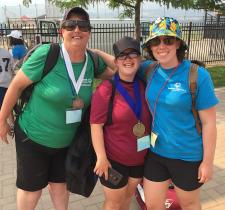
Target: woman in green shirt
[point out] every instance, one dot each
(49, 121)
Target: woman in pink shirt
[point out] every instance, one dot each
(123, 144)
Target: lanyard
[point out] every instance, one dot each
(135, 105)
(76, 83)
(160, 91)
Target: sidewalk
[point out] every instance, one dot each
(213, 193)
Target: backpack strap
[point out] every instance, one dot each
(95, 59)
(110, 106)
(51, 59)
(193, 75)
(30, 52)
(50, 62)
(149, 70)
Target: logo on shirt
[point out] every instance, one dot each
(87, 82)
(176, 87)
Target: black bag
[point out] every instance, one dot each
(81, 159)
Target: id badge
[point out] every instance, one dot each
(73, 115)
(153, 138)
(143, 143)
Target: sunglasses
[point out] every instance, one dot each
(124, 56)
(70, 25)
(167, 40)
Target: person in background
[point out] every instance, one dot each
(6, 72)
(19, 49)
(16, 41)
(6, 75)
(122, 144)
(50, 119)
(178, 152)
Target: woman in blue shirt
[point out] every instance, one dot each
(178, 152)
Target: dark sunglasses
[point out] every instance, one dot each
(124, 56)
(167, 40)
(70, 25)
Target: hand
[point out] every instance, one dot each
(101, 167)
(4, 129)
(205, 172)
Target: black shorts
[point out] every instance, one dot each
(37, 165)
(184, 174)
(126, 171)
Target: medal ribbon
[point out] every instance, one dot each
(76, 84)
(160, 91)
(134, 105)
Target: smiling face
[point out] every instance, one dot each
(76, 37)
(164, 53)
(128, 63)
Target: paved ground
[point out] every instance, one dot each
(213, 193)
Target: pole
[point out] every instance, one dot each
(35, 9)
(189, 37)
(20, 10)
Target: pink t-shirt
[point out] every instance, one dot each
(120, 142)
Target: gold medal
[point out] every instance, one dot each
(78, 103)
(139, 129)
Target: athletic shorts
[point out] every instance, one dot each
(2, 95)
(37, 165)
(126, 171)
(184, 174)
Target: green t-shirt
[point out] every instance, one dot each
(44, 117)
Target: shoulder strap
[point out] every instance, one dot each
(193, 75)
(50, 62)
(110, 107)
(52, 58)
(94, 57)
(149, 70)
(30, 52)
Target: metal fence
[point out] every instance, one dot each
(206, 42)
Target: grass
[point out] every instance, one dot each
(218, 75)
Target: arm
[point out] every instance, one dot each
(208, 120)
(18, 84)
(108, 59)
(102, 163)
(107, 74)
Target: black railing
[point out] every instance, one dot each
(206, 42)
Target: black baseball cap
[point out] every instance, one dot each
(76, 11)
(126, 43)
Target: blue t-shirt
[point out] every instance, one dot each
(19, 51)
(173, 121)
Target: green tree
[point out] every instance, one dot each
(132, 8)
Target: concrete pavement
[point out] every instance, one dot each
(213, 193)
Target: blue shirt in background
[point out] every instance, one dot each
(19, 51)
